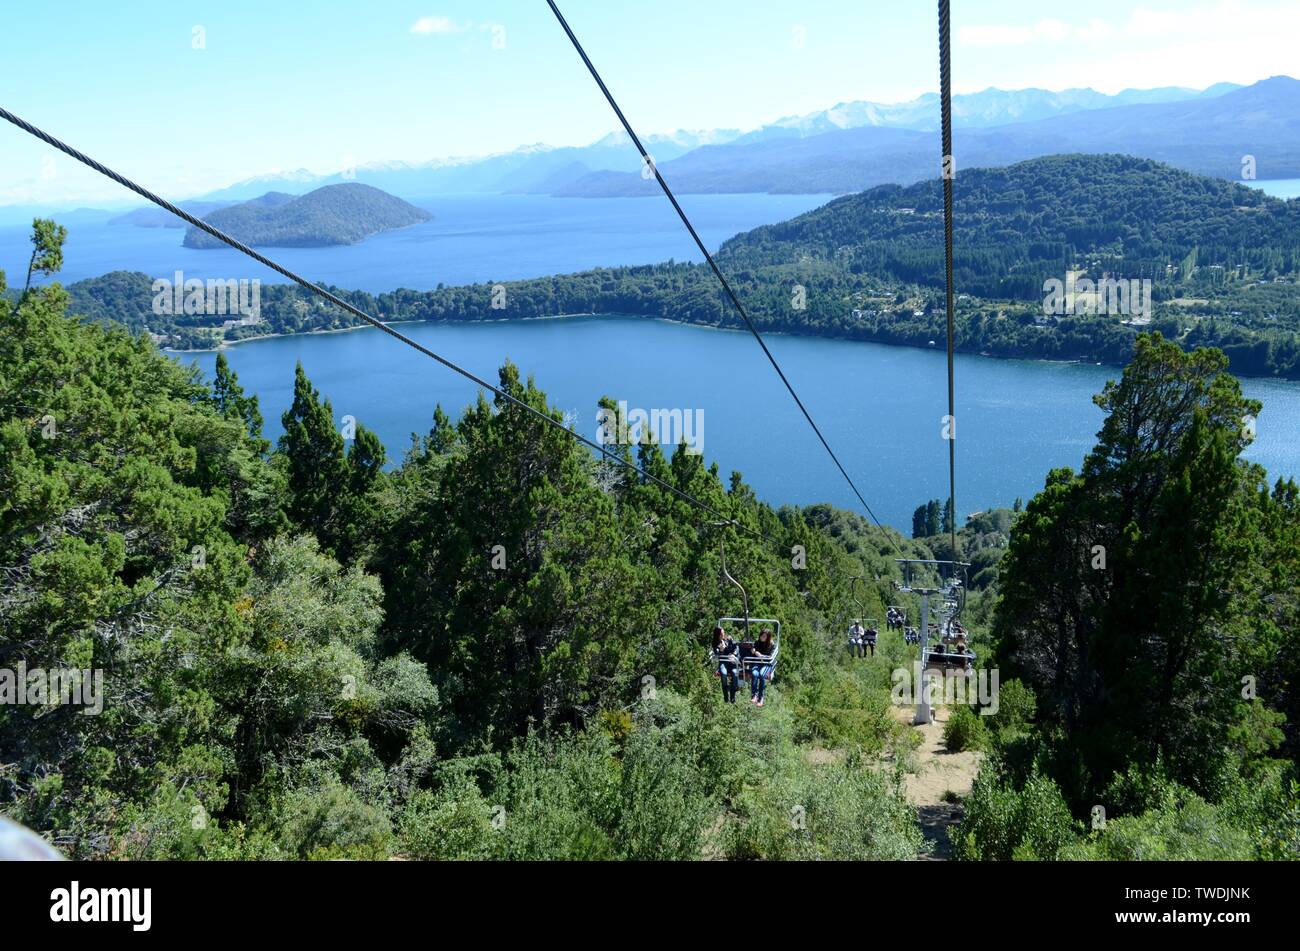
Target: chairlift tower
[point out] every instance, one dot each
(952, 585)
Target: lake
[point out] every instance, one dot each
(471, 238)
(1278, 187)
(879, 406)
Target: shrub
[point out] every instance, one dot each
(331, 823)
(452, 823)
(1017, 707)
(1004, 823)
(965, 730)
(1190, 830)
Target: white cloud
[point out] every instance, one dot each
(428, 26)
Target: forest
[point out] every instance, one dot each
(496, 647)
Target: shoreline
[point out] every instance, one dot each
(227, 344)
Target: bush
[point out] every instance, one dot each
(1017, 707)
(1268, 808)
(1002, 823)
(1190, 830)
(333, 823)
(837, 710)
(965, 730)
(454, 823)
(841, 812)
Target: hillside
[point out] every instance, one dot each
(336, 214)
(1020, 225)
(1208, 135)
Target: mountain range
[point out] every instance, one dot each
(1207, 134)
(607, 166)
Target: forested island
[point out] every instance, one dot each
(498, 649)
(335, 214)
(1223, 263)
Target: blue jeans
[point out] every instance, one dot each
(758, 680)
(730, 682)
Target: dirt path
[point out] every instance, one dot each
(937, 772)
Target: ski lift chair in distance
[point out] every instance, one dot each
(942, 659)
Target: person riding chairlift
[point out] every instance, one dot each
(759, 673)
(870, 639)
(856, 634)
(724, 646)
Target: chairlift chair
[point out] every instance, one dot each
(747, 662)
(942, 660)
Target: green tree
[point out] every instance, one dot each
(47, 249)
(933, 525)
(313, 450)
(919, 526)
(1122, 587)
(231, 401)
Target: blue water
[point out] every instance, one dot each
(470, 239)
(879, 406)
(1278, 187)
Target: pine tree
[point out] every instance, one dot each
(1123, 587)
(230, 400)
(317, 468)
(47, 249)
(932, 516)
(919, 526)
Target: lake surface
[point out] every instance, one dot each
(470, 239)
(879, 406)
(1278, 187)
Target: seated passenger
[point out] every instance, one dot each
(856, 634)
(724, 647)
(764, 648)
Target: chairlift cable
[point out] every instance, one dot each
(362, 315)
(726, 285)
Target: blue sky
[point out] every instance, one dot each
(333, 83)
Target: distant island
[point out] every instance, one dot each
(332, 215)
